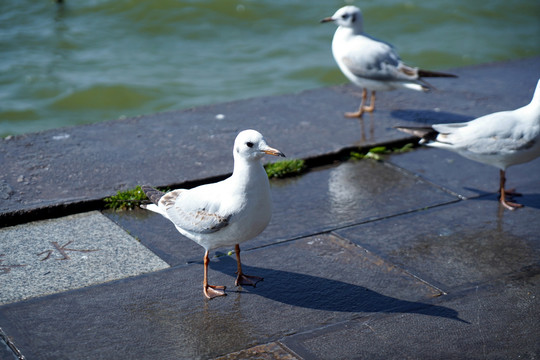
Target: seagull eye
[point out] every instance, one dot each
(344, 16)
(249, 144)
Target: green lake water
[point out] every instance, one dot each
(96, 60)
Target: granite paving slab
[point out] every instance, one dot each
(503, 324)
(56, 255)
(62, 168)
(457, 245)
(321, 200)
(309, 283)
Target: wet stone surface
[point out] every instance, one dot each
(501, 323)
(480, 244)
(389, 259)
(321, 200)
(386, 260)
(164, 314)
(467, 178)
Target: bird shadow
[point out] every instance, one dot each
(313, 292)
(429, 116)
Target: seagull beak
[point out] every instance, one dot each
(328, 19)
(271, 151)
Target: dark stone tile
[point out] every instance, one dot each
(462, 244)
(321, 200)
(469, 178)
(309, 283)
(8, 350)
(5, 352)
(500, 323)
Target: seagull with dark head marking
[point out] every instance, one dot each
(501, 139)
(225, 213)
(369, 63)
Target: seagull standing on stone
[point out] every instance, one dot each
(501, 139)
(224, 213)
(369, 63)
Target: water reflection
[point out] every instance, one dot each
(356, 186)
(206, 329)
(364, 137)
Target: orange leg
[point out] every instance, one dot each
(363, 108)
(243, 279)
(507, 204)
(210, 291)
(371, 106)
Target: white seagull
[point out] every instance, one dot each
(501, 139)
(224, 213)
(369, 63)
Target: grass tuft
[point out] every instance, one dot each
(125, 200)
(285, 168)
(376, 152)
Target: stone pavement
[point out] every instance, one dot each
(407, 257)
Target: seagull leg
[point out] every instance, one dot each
(243, 279)
(363, 108)
(371, 106)
(360, 111)
(210, 291)
(507, 204)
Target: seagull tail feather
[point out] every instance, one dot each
(428, 73)
(426, 133)
(152, 194)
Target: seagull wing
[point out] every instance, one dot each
(194, 212)
(373, 59)
(495, 133)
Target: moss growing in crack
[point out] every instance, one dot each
(125, 200)
(285, 168)
(405, 148)
(376, 152)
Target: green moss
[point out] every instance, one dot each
(404, 148)
(356, 155)
(375, 153)
(285, 168)
(379, 150)
(125, 200)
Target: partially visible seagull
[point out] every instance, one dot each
(224, 213)
(501, 139)
(369, 63)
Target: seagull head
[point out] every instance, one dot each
(347, 16)
(250, 145)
